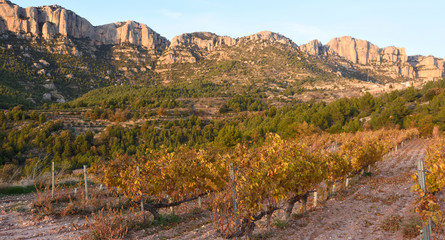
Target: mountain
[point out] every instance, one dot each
(50, 54)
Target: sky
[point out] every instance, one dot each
(419, 26)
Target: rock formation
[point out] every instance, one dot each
(391, 61)
(51, 21)
(132, 33)
(190, 47)
(429, 67)
(201, 40)
(268, 37)
(313, 47)
(55, 20)
(355, 50)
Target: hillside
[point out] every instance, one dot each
(50, 54)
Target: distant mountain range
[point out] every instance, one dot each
(80, 56)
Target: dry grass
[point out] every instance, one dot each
(109, 214)
(391, 223)
(111, 224)
(411, 226)
(67, 201)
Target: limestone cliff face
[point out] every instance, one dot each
(313, 47)
(355, 50)
(50, 21)
(130, 32)
(190, 47)
(267, 36)
(429, 67)
(391, 61)
(201, 40)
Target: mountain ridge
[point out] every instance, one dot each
(49, 21)
(132, 53)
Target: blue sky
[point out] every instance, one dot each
(416, 25)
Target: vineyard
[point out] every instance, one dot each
(249, 184)
(339, 186)
(429, 204)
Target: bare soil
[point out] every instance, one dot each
(17, 222)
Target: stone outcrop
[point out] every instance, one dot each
(202, 40)
(190, 47)
(355, 50)
(48, 21)
(313, 47)
(130, 32)
(267, 36)
(429, 67)
(391, 61)
(51, 21)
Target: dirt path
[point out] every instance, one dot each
(16, 221)
(368, 209)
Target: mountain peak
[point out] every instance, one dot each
(268, 36)
(52, 21)
(201, 40)
(314, 47)
(392, 61)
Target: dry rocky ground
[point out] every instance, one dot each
(379, 206)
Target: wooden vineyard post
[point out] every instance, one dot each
(199, 202)
(138, 170)
(86, 182)
(421, 173)
(235, 207)
(347, 183)
(269, 218)
(52, 179)
(172, 210)
(315, 198)
(328, 191)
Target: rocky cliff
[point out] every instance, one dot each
(391, 61)
(51, 21)
(314, 47)
(268, 37)
(428, 67)
(190, 47)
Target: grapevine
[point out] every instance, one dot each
(273, 176)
